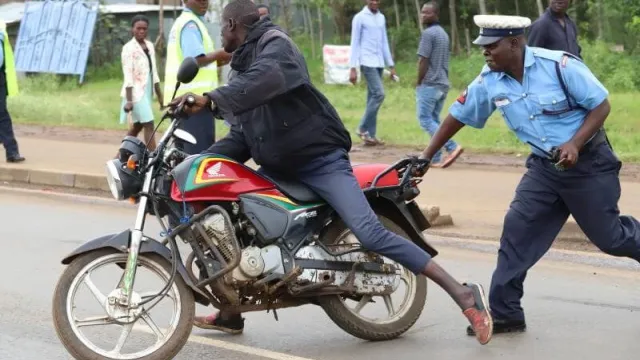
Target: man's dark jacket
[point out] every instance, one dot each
(278, 117)
(547, 32)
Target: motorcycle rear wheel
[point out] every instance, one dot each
(81, 266)
(360, 327)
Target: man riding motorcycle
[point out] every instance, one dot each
(287, 126)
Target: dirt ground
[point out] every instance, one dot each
(359, 153)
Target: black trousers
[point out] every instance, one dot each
(7, 138)
(543, 201)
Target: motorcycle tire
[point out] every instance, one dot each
(354, 325)
(79, 350)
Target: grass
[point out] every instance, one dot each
(45, 100)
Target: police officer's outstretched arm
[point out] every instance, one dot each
(473, 107)
(588, 92)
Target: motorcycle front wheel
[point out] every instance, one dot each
(401, 314)
(116, 320)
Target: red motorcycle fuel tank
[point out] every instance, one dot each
(212, 177)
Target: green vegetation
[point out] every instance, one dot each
(47, 100)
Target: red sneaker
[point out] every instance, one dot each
(479, 316)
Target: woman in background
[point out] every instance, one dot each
(140, 77)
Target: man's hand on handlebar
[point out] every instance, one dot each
(189, 103)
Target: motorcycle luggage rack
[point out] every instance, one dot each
(236, 252)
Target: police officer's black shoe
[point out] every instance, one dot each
(504, 326)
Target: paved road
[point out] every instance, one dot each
(575, 310)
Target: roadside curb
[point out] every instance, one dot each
(53, 178)
(570, 233)
(71, 180)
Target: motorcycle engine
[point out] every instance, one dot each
(258, 261)
(254, 261)
(217, 232)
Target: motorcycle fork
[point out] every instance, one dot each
(137, 238)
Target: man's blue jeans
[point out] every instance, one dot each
(331, 176)
(429, 103)
(375, 97)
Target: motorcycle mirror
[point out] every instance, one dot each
(188, 70)
(184, 136)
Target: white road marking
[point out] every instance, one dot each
(250, 350)
(230, 346)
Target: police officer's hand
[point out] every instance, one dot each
(421, 167)
(199, 104)
(568, 154)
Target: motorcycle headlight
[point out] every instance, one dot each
(123, 182)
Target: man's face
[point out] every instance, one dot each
(230, 40)
(559, 5)
(500, 54)
(428, 15)
(373, 5)
(263, 12)
(140, 29)
(199, 7)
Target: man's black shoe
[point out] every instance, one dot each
(504, 326)
(15, 158)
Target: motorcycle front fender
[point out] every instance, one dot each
(120, 242)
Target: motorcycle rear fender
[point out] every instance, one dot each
(406, 214)
(120, 242)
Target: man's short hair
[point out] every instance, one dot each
(242, 11)
(435, 5)
(263, 6)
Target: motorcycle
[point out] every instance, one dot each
(257, 244)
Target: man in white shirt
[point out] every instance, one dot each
(370, 51)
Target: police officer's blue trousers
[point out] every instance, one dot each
(202, 126)
(544, 199)
(331, 176)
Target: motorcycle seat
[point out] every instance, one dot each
(296, 190)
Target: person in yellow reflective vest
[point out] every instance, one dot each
(8, 87)
(189, 38)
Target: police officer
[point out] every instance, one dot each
(550, 100)
(189, 37)
(8, 87)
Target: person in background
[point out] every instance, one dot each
(140, 79)
(189, 37)
(370, 51)
(555, 30)
(263, 10)
(432, 84)
(8, 87)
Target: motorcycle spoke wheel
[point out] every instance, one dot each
(394, 314)
(123, 332)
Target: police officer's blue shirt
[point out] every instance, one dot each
(191, 38)
(1, 49)
(536, 110)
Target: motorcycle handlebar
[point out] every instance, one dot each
(409, 164)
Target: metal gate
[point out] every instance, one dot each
(55, 36)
